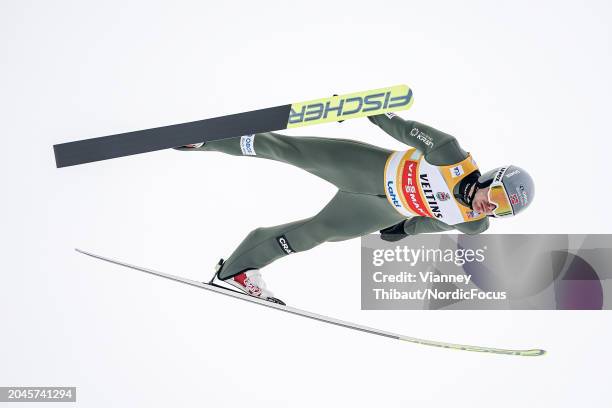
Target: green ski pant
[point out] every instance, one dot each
(359, 207)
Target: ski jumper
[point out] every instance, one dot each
(364, 202)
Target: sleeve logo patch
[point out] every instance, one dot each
(284, 244)
(514, 199)
(422, 136)
(247, 145)
(390, 115)
(457, 171)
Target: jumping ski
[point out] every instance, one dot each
(321, 318)
(331, 109)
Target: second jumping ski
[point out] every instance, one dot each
(321, 318)
(324, 110)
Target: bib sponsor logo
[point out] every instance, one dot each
(472, 214)
(247, 145)
(457, 171)
(392, 194)
(430, 197)
(284, 244)
(442, 196)
(411, 194)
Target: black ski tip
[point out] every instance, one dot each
(275, 300)
(57, 159)
(83, 252)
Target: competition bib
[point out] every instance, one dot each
(415, 187)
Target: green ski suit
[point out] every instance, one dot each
(359, 207)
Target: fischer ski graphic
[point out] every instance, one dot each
(313, 112)
(321, 318)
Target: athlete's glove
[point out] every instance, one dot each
(394, 232)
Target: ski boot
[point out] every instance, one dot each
(249, 282)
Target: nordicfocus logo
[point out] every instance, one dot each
(247, 145)
(392, 194)
(284, 244)
(423, 137)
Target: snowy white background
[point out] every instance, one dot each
(521, 81)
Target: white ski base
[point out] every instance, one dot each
(325, 319)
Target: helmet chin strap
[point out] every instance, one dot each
(471, 197)
(469, 187)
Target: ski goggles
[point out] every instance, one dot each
(499, 197)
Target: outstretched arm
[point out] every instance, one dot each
(439, 148)
(413, 226)
(423, 225)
